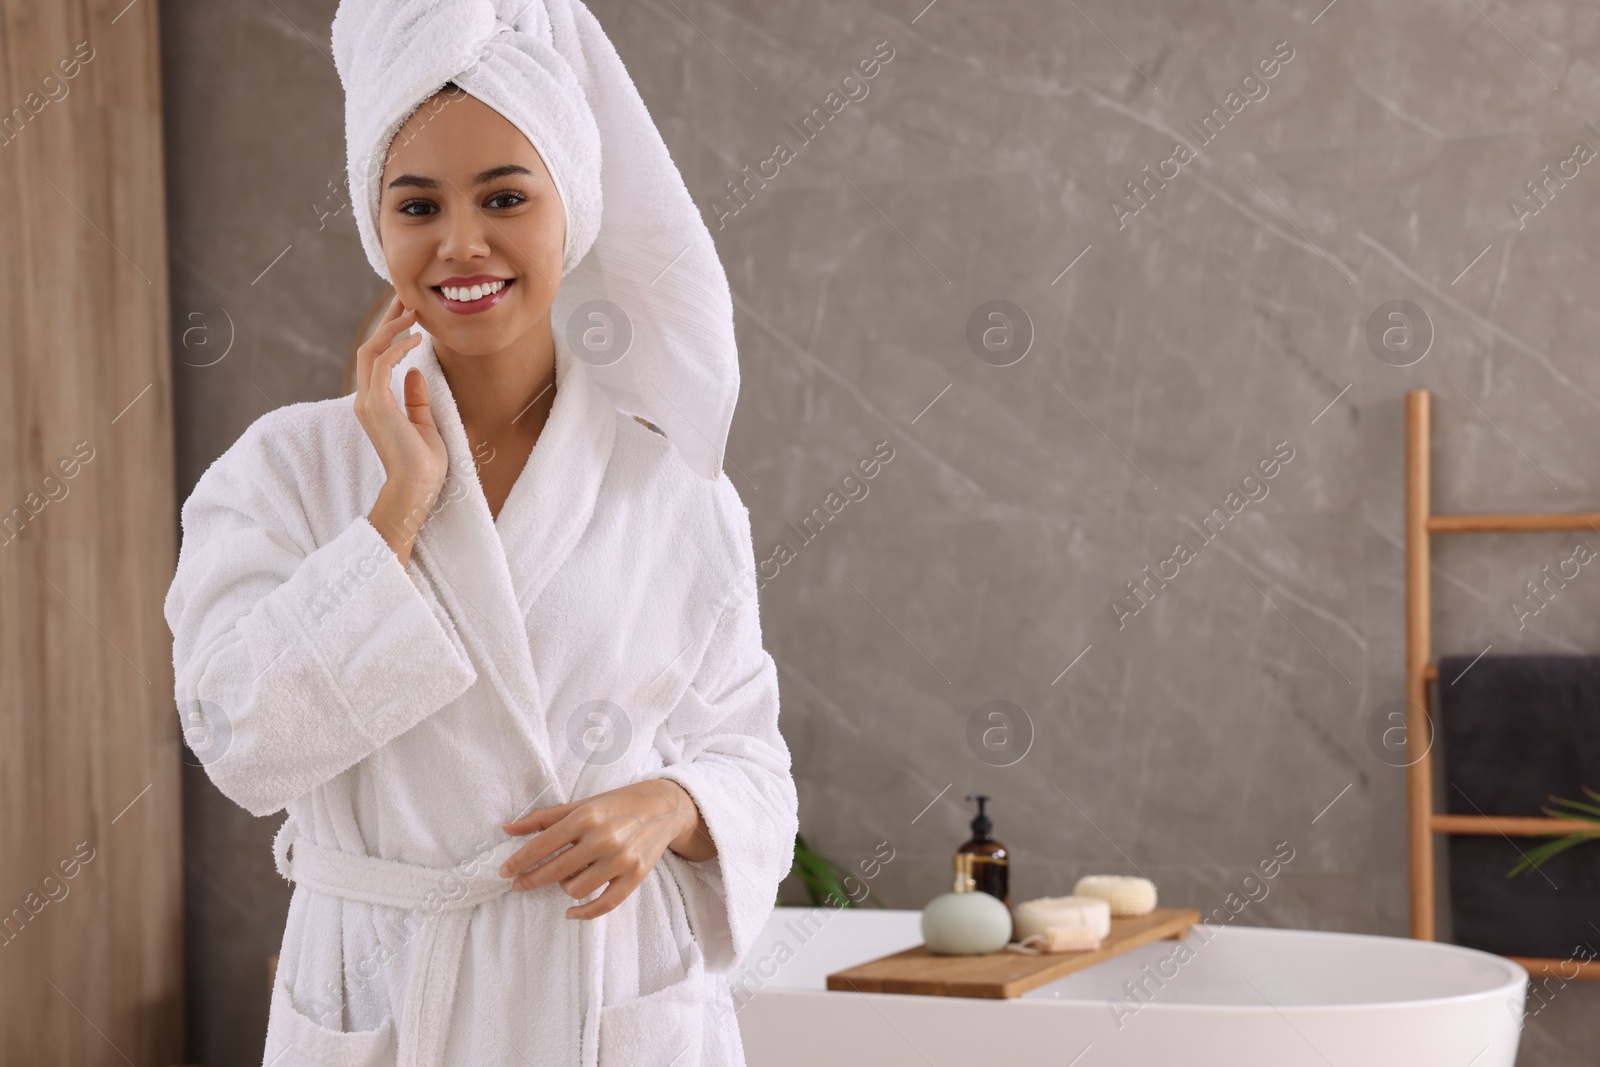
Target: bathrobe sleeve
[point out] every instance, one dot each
(293, 661)
(736, 766)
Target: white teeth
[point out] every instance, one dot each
(470, 293)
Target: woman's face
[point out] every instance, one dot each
(466, 200)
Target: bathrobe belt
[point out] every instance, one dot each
(447, 896)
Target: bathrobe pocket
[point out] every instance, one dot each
(663, 1028)
(295, 1039)
(660, 1029)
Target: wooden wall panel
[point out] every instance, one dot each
(90, 829)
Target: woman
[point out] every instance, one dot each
(489, 637)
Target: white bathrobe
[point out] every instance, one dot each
(403, 713)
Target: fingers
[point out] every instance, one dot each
(418, 407)
(617, 891)
(379, 394)
(365, 352)
(395, 319)
(383, 364)
(549, 841)
(537, 851)
(603, 851)
(555, 869)
(624, 867)
(540, 818)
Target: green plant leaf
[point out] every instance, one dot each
(823, 878)
(1592, 812)
(1576, 809)
(1535, 857)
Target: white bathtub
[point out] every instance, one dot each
(1238, 996)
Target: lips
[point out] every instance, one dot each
(474, 295)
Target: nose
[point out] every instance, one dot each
(465, 232)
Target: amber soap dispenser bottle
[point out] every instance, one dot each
(990, 860)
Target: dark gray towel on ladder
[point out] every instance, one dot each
(1514, 731)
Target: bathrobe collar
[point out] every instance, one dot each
(490, 570)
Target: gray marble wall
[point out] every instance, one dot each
(1173, 343)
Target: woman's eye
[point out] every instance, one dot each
(422, 208)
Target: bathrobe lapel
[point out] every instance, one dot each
(490, 570)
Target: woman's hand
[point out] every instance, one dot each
(408, 443)
(616, 837)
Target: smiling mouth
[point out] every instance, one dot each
(466, 299)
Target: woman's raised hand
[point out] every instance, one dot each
(408, 443)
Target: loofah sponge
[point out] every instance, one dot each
(1126, 895)
(1060, 924)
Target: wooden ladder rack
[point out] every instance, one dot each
(1423, 822)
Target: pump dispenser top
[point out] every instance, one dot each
(982, 825)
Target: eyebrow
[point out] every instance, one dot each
(420, 182)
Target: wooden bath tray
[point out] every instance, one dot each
(1004, 974)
